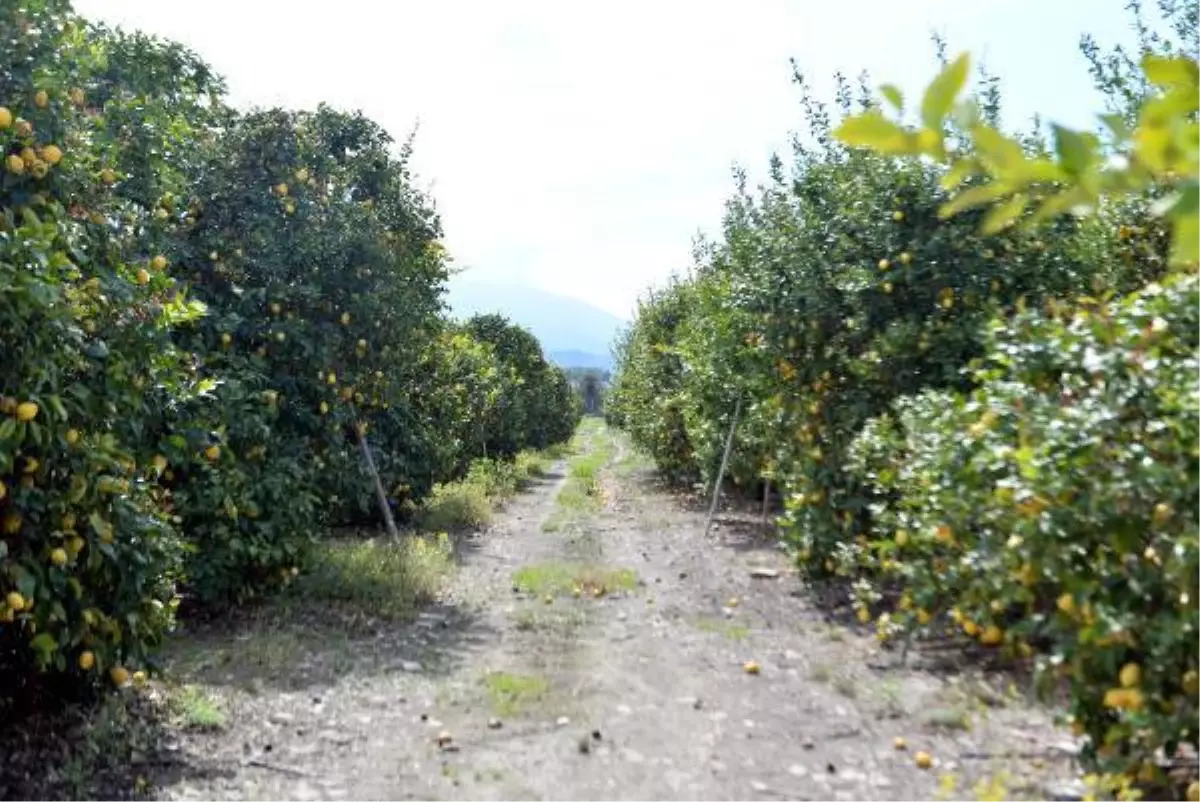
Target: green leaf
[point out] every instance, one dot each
(1171, 71)
(875, 132)
(893, 95)
(1005, 154)
(960, 171)
(1002, 216)
(1115, 123)
(1185, 243)
(971, 198)
(943, 91)
(1075, 150)
(44, 644)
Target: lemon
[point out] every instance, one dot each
(119, 675)
(302, 175)
(24, 129)
(901, 537)
(159, 262)
(899, 743)
(15, 601)
(77, 96)
(345, 318)
(751, 667)
(31, 465)
(87, 660)
(905, 258)
(143, 276)
(887, 287)
(281, 190)
(1191, 683)
(108, 177)
(226, 339)
(3, 490)
(332, 378)
(15, 164)
(970, 627)
(324, 408)
(6, 118)
(924, 760)
(59, 557)
(864, 615)
(51, 154)
(1162, 513)
(1193, 791)
(76, 544)
(139, 678)
(275, 309)
(41, 99)
(884, 264)
(160, 463)
(72, 436)
(991, 636)
(213, 453)
(1130, 675)
(1066, 603)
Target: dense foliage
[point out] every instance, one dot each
(206, 318)
(982, 416)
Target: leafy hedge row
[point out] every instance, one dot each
(205, 318)
(985, 426)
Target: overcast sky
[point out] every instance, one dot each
(579, 146)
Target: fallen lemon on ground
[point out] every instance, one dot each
(924, 760)
(119, 675)
(899, 743)
(751, 667)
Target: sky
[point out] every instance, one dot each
(579, 146)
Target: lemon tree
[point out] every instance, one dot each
(88, 555)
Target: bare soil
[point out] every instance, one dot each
(502, 691)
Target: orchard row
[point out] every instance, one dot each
(208, 319)
(982, 424)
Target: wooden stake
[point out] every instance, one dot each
(712, 508)
(380, 493)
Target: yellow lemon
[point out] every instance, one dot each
(281, 190)
(119, 675)
(1066, 603)
(1193, 791)
(160, 463)
(226, 338)
(924, 760)
(751, 667)
(901, 537)
(41, 99)
(76, 544)
(991, 636)
(139, 678)
(27, 411)
(1130, 675)
(899, 743)
(905, 258)
(59, 557)
(72, 436)
(345, 318)
(51, 154)
(884, 264)
(87, 660)
(143, 276)
(213, 453)
(159, 262)
(15, 601)
(6, 118)
(302, 175)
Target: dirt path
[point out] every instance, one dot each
(634, 688)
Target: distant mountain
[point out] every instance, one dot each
(573, 333)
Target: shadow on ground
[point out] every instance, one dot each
(119, 748)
